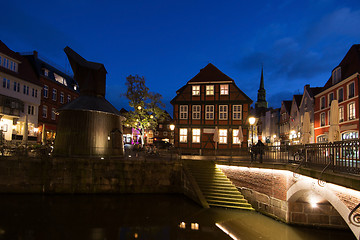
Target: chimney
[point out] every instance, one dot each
(35, 54)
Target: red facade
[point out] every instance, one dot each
(210, 101)
(343, 86)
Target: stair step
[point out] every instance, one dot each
(230, 203)
(230, 206)
(232, 195)
(226, 198)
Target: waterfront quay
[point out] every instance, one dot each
(295, 190)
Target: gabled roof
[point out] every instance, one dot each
(297, 99)
(349, 65)
(210, 73)
(314, 91)
(287, 105)
(25, 70)
(38, 64)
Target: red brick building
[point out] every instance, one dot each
(58, 89)
(208, 101)
(343, 85)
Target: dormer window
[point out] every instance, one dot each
(336, 75)
(45, 72)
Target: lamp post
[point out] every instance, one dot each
(252, 121)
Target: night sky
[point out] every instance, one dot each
(168, 42)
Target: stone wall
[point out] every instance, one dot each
(90, 175)
(266, 190)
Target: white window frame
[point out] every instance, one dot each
(338, 94)
(46, 91)
(209, 112)
(196, 90)
(330, 99)
(224, 89)
(44, 111)
(53, 114)
(223, 112)
(62, 97)
(183, 135)
(237, 112)
(351, 111)
(322, 102)
(196, 112)
(336, 75)
(68, 98)
(341, 114)
(223, 136)
(183, 112)
(210, 90)
(348, 90)
(54, 94)
(196, 135)
(235, 134)
(322, 115)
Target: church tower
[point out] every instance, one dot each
(261, 103)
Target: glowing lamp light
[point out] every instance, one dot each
(172, 127)
(194, 226)
(182, 225)
(102, 158)
(139, 107)
(136, 235)
(252, 120)
(108, 138)
(36, 130)
(313, 203)
(151, 116)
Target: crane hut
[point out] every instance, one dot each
(89, 125)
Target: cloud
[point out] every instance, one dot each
(344, 21)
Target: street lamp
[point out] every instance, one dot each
(252, 121)
(172, 127)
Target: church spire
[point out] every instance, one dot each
(261, 102)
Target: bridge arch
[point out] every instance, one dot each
(306, 186)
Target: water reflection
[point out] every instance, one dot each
(145, 217)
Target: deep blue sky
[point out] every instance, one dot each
(168, 42)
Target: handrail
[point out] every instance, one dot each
(354, 218)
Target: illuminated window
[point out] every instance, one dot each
(351, 108)
(236, 137)
(223, 136)
(341, 114)
(209, 89)
(209, 112)
(196, 111)
(341, 94)
(322, 119)
(223, 112)
(183, 111)
(196, 90)
(54, 94)
(224, 89)
(44, 112)
(351, 90)
(196, 135)
(46, 91)
(183, 135)
(237, 109)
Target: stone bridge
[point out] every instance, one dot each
(299, 196)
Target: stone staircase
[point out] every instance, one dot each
(215, 186)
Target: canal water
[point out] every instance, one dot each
(145, 217)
